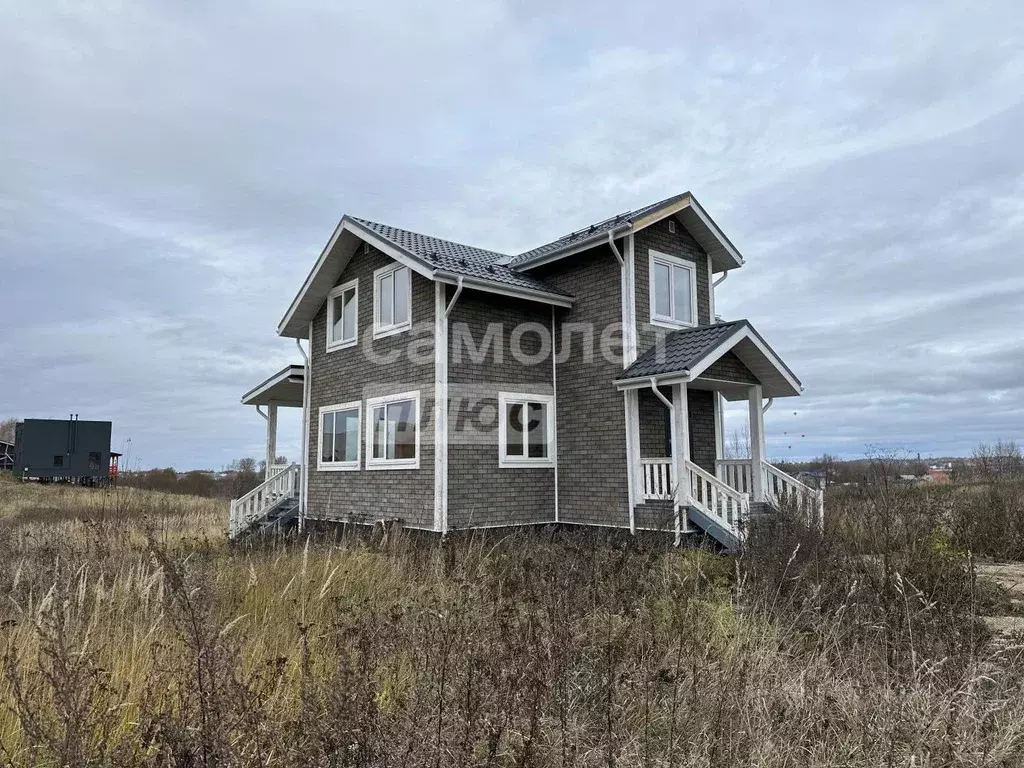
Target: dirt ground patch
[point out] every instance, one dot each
(1010, 576)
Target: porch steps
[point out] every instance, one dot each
(271, 504)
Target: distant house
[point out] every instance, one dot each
(939, 476)
(580, 382)
(66, 450)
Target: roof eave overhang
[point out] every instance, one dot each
(724, 255)
(515, 291)
(269, 392)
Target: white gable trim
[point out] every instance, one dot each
(730, 341)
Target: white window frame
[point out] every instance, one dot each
(335, 293)
(672, 261)
(375, 402)
(522, 398)
(380, 331)
(339, 466)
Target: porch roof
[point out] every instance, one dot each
(688, 352)
(283, 388)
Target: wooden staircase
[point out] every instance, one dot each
(273, 503)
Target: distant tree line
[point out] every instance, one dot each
(238, 479)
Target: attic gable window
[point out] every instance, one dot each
(342, 316)
(673, 291)
(392, 299)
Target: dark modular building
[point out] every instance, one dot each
(62, 449)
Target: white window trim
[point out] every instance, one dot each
(513, 462)
(339, 466)
(675, 261)
(380, 331)
(373, 402)
(335, 293)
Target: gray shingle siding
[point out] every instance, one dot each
(730, 368)
(654, 439)
(351, 374)
(480, 493)
(654, 442)
(592, 476)
(681, 243)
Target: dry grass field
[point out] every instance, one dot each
(134, 634)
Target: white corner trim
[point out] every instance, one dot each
(374, 402)
(335, 293)
(516, 462)
(339, 466)
(440, 408)
(380, 331)
(675, 261)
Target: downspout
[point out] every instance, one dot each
(304, 462)
(615, 248)
(766, 406)
(654, 387)
(451, 304)
(261, 413)
(720, 280)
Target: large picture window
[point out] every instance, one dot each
(392, 297)
(393, 431)
(339, 437)
(673, 291)
(342, 316)
(526, 430)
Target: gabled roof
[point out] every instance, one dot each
(436, 259)
(688, 352)
(723, 253)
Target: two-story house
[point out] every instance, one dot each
(449, 387)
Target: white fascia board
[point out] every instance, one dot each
(505, 290)
(366, 235)
(584, 245)
(741, 333)
(644, 382)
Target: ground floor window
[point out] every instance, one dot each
(339, 437)
(393, 432)
(526, 430)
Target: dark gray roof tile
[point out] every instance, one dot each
(457, 258)
(682, 350)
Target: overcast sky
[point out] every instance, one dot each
(170, 171)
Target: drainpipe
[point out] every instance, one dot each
(304, 461)
(720, 280)
(766, 406)
(615, 248)
(451, 304)
(654, 388)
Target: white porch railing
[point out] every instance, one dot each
(255, 505)
(657, 479)
(778, 486)
(736, 474)
(781, 488)
(716, 499)
(275, 469)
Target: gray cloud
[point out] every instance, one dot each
(170, 172)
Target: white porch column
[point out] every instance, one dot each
(756, 443)
(681, 455)
(634, 475)
(271, 437)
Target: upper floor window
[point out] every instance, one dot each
(526, 430)
(393, 431)
(673, 290)
(342, 315)
(392, 299)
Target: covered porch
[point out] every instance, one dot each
(278, 496)
(674, 396)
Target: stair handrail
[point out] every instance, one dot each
(740, 501)
(255, 504)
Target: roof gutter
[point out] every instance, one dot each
(582, 245)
